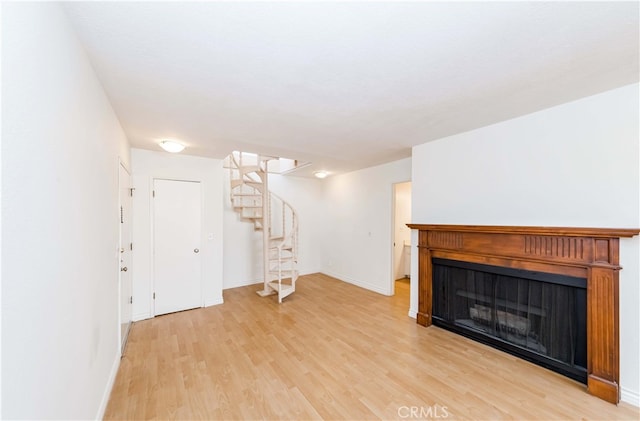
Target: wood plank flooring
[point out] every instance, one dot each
(331, 351)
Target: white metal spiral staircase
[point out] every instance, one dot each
(278, 221)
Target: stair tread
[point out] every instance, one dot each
(250, 168)
(280, 242)
(287, 258)
(287, 249)
(250, 183)
(282, 287)
(283, 256)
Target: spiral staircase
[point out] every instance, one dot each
(269, 213)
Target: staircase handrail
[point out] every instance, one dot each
(294, 225)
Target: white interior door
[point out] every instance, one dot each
(177, 264)
(126, 299)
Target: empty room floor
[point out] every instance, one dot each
(331, 351)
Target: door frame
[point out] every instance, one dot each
(122, 342)
(152, 239)
(392, 275)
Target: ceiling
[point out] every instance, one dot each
(346, 85)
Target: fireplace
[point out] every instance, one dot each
(541, 317)
(502, 285)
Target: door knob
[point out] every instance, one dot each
(196, 250)
(124, 269)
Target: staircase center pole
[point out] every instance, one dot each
(266, 226)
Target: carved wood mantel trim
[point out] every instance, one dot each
(591, 253)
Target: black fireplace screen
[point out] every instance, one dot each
(538, 316)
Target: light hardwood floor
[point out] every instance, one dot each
(331, 351)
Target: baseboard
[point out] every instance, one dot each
(108, 388)
(358, 283)
(630, 396)
(242, 284)
(140, 316)
(214, 302)
(259, 281)
(309, 272)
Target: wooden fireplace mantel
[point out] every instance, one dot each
(591, 253)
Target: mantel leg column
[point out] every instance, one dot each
(425, 295)
(603, 366)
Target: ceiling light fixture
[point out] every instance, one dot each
(320, 174)
(171, 146)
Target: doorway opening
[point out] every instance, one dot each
(401, 250)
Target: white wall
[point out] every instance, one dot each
(544, 169)
(402, 233)
(1, 220)
(243, 244)
(148, 165)
(358, 227)
(60, 146)
(306, 197)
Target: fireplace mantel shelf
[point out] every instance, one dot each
(552, 231)
(591, 253)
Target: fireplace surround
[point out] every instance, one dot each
(588, 253)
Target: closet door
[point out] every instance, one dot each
(177, 266)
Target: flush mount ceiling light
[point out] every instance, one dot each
(171, 146)
(320, 174)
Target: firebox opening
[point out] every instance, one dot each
(540, 317)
